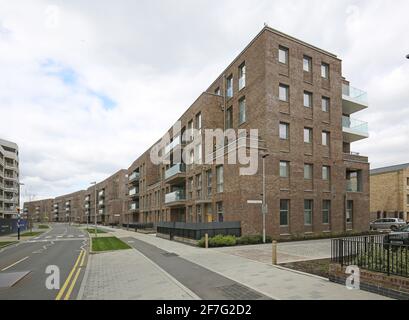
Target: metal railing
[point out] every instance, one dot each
(371, 253)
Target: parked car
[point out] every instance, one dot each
(387, 223)
(399, 237)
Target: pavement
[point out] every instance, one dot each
(23, 265)
(192, 266)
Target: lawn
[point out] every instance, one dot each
(108, 243)
(92, 230)
(31, 234)
(318, 267)
(6, 243)
(43, 226)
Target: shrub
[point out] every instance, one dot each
(218, 241)
(252, 239)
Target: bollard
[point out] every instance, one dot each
(206, 241)
(274, 253)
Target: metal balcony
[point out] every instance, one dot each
(176, 198)
(134, 177)
(176, 173)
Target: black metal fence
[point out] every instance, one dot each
(196, 231)
(371, 253)
(139, 225)
(9, 226)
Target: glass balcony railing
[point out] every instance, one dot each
(358, 126)
(134, 176)
(178, 195)
(176, 169)
(133, 191)
(134, 206)
(354, 93)
(177, 141)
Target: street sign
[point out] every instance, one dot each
(254, 201)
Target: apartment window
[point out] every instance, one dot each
(190, 130)
(284, 169)
(198, 120)
(229, 118)
(283, 55)
(350, 211)
(190, 188)
(407, 181)
(229, 87)
(307, 135)
(325, 138)
(209, 183)
(283, 92)
(324, 70)
(326, 211)
(325, 173)
(407, 199)
(307, 99)
(307, 62)
(198, 151)
(242, 76)
(325, 104)
(191, 156)
(242, 110)
(284, 130)
(308, 171)
(219, 179)
(308, 205)
(220, 211)
(199, 186)
(217, 91)
(284, 212)
(199, 213)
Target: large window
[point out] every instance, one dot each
(199, 213)
(242, 110)
(307, 135)
(284, 212)
(307, 99)
(325, 138)
(308, 207)
(283, 55)
(325, 71)
(209, 183)
(199, 186)
(284, 130)
(229, 118)
(308, 171)
(217, 91)
(407, 199)
(307, 62)
(326, 211)
(220, 211)
(350, 211)
(190, 130)
(325, 104)
(198, 120)
(242, 76)
(326, 173)
(283, 92)
(198, 151)
(219, 179)
(229, 87)
(284, 169)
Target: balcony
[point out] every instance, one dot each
(101, 212)
(177, 141)
(134, 192)
(176, 198)
(87, 198)
(10, 188)
(354, 130)
(353, 99)
(87, 206)
(134, 177)
(101, 203)
(101, 194)
(355, 157)
(176, 174)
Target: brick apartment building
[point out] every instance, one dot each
(40, 210)
(297, 98)
(294, 94)
(9, 179)
(69, 207)
(390, 192)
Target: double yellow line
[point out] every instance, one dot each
(75, 270)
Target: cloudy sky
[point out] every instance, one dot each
(86, 86)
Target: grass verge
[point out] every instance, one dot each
(31, 234)
(92, 231)
(6, 243)
(43, 226)
(318, 267)
(108, 244)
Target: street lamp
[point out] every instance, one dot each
(95, 184)
(19, 209)
(407, 56)
(264, 155)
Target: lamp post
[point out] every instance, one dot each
(407, 56)
(96, 218)
(19, 209)
(264, 155)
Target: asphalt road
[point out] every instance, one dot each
(63, 246)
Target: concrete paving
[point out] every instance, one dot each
(269, 280)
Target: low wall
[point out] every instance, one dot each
(391, 286)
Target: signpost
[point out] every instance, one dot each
(18, 223)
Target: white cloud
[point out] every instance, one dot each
(153, 58)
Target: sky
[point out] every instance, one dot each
(87, 86)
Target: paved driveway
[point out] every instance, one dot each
(287, 252)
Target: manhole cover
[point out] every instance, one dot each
(239, 292)
(8, 280)
(170, 254)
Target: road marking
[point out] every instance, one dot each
(47, 237)
(70, 236)
(12, 265)
(59, 236)
(67, 296)
(61, 292)
(83, 258)
(36, 238)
